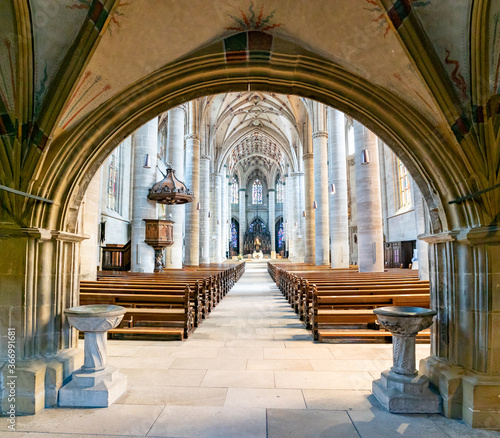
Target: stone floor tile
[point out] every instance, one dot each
(155, 362)
(209, 364)
(195, 353)
(238, 379)
(246, 353)
(145, 377)
(210, 422)
(458, 429)
(174, 396)
(339, 399)
(280, 364)
(283, 423)
(376, 423)
(255, 343)
(264, 398)
(351, 365)
(125, 420)
(297, 353)
(323, 380)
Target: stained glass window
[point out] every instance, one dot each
(257, 225)
(280, 235)
(234, 190)
(113, 180)
(279, 190)
(234, 235)
(404, 184)
(257, 192)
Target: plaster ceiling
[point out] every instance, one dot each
(145, 35)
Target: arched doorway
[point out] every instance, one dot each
(62, 176)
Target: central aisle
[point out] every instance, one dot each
(250, 370)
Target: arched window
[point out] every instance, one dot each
(257, 192)
(280, 236)
(114, 180)
(403, 184)
(279, 190)
(234, 235)
(234, 190)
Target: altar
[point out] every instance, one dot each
(257, 255)
(257, 240)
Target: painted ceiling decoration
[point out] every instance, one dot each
(63, 62)
(256, 144)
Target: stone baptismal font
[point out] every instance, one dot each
(402, 389)
(96, 384)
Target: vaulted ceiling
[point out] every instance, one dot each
(66, 65)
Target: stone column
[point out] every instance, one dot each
(339, 225)
(204, 209)
(320, 148)
(242, 213)
(368, 202)
(89, 251)
(310, 239)
(216, 236)
(465, 349)
(292, 231)
(40, 278)
(175, 155)
(285, 212)
(193, 183)
(223, 221)
(144, 141)
(272, 217)
(422, 245)
(301, 220)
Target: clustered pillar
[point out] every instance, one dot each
(310, 244)
(144, 142)
(175, 156)
(192, 256)
(321, 207)
(272, 217)
(204, 209)
(339, 226)
(368, 200)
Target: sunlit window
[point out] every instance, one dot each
(257, 192)
(234, 235)
(234, 190)
(279, 190)
(403, 183)
(114, 180)
(280, 235)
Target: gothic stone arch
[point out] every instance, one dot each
(462, 257)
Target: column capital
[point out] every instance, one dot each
(242, 190)
(204, 157)
(319, 134)
(308, 156)
(294, 174)
(271, 190)
(192, 137)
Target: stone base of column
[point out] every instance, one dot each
(448, 380)
(37, 382)
(97, 389)
(402, 394)
(472, 398)
(480, 402)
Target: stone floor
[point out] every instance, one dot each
(250, 370)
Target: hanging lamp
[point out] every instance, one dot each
(170, 190)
